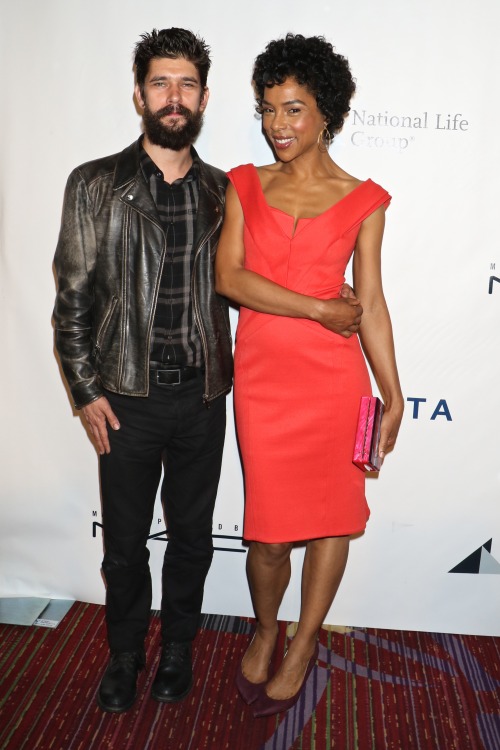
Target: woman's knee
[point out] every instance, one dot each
(272, 554)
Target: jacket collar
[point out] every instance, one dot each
(128, 168)
(129, 179)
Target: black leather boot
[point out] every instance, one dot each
(118, 689)
(174, 678)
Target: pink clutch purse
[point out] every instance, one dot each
(366, 445)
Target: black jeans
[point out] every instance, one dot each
(171, 427)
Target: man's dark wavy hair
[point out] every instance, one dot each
(171, 43)
(313, 62)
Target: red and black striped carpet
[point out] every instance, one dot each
(370, 690)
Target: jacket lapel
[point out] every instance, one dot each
(130, 183)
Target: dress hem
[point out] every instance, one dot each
(304, 539)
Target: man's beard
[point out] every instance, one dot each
(174, 137)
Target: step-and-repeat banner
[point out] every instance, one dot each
(424, 124)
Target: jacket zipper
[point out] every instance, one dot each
(201, 329)
(157, 287)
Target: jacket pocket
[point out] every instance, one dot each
(103, 328)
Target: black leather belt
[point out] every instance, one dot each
(163, 375)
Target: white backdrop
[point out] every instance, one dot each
(424, 125)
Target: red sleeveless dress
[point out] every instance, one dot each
(297, 385)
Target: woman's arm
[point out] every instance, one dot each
(376, 330)
(254, 291)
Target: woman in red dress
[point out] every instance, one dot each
(290, 229)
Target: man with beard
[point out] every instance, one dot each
(145, 346)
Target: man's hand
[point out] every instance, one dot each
(341, 315)
(96, 414)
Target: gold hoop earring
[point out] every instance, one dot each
(324, 139)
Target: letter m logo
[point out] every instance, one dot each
(490, 287)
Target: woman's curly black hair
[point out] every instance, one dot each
(313, 63)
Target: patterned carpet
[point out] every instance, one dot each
(370, 690)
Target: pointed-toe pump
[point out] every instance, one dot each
(267, 706)
(249, 691)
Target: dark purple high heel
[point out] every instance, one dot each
(249, 691)
(267, 706)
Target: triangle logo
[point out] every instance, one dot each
(479, 562)
(488, 563)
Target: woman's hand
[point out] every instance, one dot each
(391, 422)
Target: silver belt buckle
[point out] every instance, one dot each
(178, 382)
(178, 377)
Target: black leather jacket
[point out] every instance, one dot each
(108, 263)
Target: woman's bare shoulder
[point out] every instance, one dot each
(268, 169)
(267, 173)
(343, 178)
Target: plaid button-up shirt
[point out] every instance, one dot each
(175, 338)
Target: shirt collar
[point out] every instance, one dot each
(150, 170)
